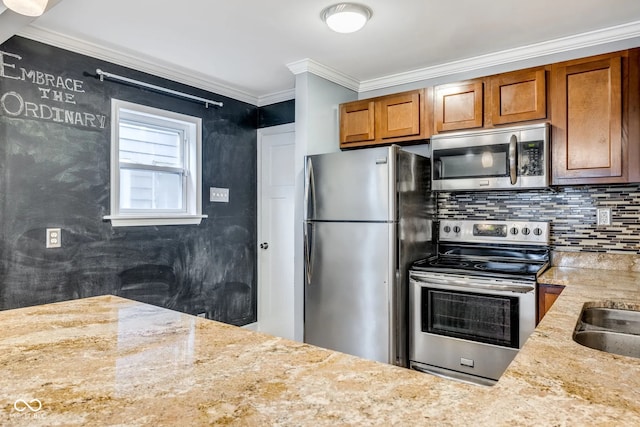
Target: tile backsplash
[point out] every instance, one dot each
(570, 210)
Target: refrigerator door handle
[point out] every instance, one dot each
(308, 242)
(309, 191)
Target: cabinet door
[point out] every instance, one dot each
(357, 121)
(547, 295)
(518, 96)
(400, 115)
(587, 120)
(459, 106)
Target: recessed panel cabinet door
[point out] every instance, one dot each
(357, 121)
(518, 96)
(587, 116)
(459, 106)
(400, 115)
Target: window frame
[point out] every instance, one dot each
(191, 128)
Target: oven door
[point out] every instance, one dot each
(468, 325)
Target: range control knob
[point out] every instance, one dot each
(537, 231)
(446, 229)
(526, 231)
(456, 229)
(514, 230)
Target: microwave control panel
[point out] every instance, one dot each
(531, 161)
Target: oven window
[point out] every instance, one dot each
(471, 162)
(490, 319)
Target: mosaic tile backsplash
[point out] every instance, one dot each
(570, 210)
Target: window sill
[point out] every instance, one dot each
(132, 221)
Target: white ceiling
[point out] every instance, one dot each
(241, 48)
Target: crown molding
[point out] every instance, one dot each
(189, 77)
(274, 98)
(564, 44)
(136, 62)
(310, 66)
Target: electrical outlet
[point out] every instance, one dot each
(603, 217)
(54, 238)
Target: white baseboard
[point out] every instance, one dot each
(251, 326)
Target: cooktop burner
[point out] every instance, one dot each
(448, 262)
(519, 269)
(500, 249)
(508, 267)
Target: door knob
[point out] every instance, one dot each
(264, 245)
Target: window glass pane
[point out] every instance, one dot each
(156, 155)
(145, 189)
(153, 146)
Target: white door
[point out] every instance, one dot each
(276, 183)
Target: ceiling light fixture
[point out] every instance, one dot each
(346, 17)
(27, 7)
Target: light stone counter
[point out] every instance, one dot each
(111, 361)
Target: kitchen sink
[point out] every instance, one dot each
(611, 330)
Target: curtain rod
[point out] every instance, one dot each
(104, 75)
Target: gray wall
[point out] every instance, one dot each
(317, 131)
(56, 174)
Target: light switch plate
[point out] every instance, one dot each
(54, 238)
(217, 194)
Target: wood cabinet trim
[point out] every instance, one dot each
(631, 105)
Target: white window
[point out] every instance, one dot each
(156, 166)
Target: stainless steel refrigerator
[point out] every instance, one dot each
(368, 215)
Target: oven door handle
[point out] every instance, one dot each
(506, 287)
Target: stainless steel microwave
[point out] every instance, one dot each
(506, 158)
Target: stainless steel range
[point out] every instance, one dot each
(473, 305)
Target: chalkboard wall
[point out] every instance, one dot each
(277, 114)
(54, 172)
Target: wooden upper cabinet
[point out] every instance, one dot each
(459, 106)
(400, 115)
(511, 97)
(386, 119)
(357, 121)
(592, 138)
(518, 96)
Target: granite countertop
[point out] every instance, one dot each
(111, 361)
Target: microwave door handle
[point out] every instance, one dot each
(513, 167)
